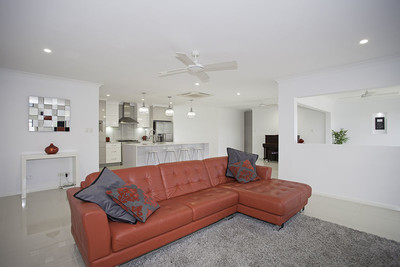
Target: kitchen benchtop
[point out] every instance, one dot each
(159, 144)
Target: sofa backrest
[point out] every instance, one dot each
(170, 180)
(184, 177)
(147, 178)
(216, 168)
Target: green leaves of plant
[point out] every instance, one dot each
(340, 137)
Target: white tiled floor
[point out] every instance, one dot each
(39, 234)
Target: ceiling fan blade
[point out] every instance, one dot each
(171, 72)
(202, 76)
(346, 97)
(388, 93)
(231, 65)
(182, 57)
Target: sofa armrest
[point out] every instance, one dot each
(264, 172)
(90, 228)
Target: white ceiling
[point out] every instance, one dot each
(123, 44)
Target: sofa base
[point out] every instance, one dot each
(138, 250)
(269, 217)
(159, 241)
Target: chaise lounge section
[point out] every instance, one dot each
(191, 195)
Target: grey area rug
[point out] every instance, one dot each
(245, 241)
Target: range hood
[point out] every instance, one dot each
(127, 115)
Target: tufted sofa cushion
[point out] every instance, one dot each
(171, 215)
(216, 168)
(274, 196)
(209, 201)
(184, 177)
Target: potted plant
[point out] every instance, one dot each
(340, 137)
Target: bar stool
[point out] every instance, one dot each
(184, 154)
(197, 153)
(152, 156)
(170, 155)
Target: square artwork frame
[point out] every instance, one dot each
(49, 114)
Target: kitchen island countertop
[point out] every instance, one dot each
(137, 154)
(159, 144)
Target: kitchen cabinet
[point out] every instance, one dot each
(143, 120)
(112, 114)
(113, 152)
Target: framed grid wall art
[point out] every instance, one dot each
(49, 114)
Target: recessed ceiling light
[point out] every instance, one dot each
(107, 95)
(46, 50)
(237, 93)
(197, 84)
(364, 41)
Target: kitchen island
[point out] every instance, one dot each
(140, 154)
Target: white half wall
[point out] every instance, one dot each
(368, 174)
(356, 116)
(220, 127)
(265, 122)
(16, 87)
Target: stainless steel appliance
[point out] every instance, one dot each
(164, 130)
(161, 137)
(127, 114)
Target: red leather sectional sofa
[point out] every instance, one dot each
(191, 195)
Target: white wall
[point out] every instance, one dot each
(265, 122)
(248, 131)
(15, 88)
(368, 174)
(356, 116)
(220, 127)
(311, 125)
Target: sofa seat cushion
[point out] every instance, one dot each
(171, 215)
(209, 201)
(274, 196)
(184, 177)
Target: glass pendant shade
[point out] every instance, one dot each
(169, 112)
(191, 114)
(143, 109)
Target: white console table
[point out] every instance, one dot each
(27, 157)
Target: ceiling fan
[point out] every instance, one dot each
(367, 94)
(193, 67)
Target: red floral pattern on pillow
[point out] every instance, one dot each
(134, 201)
(243, 171)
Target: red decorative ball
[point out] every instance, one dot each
(51, 149)
(301, 141)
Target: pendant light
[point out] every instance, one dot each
(169, 111)
(143, 109)
(191, 114)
